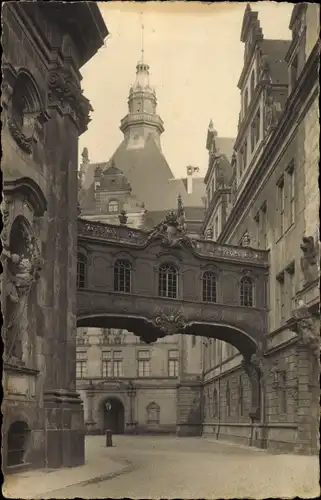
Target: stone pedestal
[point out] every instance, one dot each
(65, 433)
(189, 411)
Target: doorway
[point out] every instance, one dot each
(18, 438)
(114, 416)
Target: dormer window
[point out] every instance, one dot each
(113, 206)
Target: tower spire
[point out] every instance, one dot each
(142, 49)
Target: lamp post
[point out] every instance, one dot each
(131, 392)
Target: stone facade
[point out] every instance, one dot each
(275, 204)
(104, 376)
(43, 113)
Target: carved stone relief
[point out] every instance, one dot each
(308, 261)
(22, 265)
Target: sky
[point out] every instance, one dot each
(195, 57)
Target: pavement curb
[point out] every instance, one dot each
(129, 467)
(235, 445)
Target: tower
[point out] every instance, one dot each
(142, 119)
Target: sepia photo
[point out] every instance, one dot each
(160, 249)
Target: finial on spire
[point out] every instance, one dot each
(142, 22)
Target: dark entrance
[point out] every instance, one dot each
(114, 416)
(18, 438)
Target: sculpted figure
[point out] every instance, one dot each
(309, 259)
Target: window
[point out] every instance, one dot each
(246, 291)
(143, 363)
(293, 73)
(281, 297)
(282, 392)
(216, 228)
(81, 271)
(291, 177)
(168, 281)
(281, 204)
(122, 276)
(209, 287)
(257, 126)
(112, 364)
(215, 403)
(81, 364)
(253, 135)
(117, 364)
(246, 100)
(153, 414)
(252, 84)
(228, 400)
(243, 157)
(173, 363)
(113, 206)
(107, 366)
(290, 289)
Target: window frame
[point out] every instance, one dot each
(81, 271)
(209, 283)
(244, 293)
(171, 281)
(123, 275)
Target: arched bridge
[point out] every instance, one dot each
(163, 282)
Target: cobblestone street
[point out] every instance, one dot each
(170, 467)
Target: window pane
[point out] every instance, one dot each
(173, 354)
(143, 368)
(122, 276)
(143, 354)
(167, 281)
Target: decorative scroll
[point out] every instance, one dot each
(170, 324)
(24, 143)
(65, 90)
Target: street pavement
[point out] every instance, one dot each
(170, 467)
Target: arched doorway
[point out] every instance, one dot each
(18, 439)
(114, 416)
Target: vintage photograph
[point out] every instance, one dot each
(160, 249)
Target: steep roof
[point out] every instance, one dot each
(149, 175)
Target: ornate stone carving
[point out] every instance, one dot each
(22, 271)
(65, 90)
(123, 217)
(171, 323)
(171, 232)
(309, 335)
(25, 143)
(272, 112)
(255, 368)
(309, 259)
(209, 233)
(246, 239)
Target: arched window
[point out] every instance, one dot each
(81, 271)
(228, 400)
(153, 413)
(252, 84)
(246, 291)
(122, 276)
(215, 403)
(168, 281)
(113, 206)
(209, 287)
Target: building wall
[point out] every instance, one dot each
(40, 188)
(159, 386)
(286, 423)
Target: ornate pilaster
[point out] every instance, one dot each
(66, 95)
